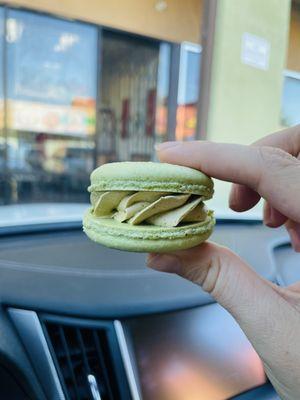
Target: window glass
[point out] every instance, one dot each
(188, 92)
(291, 99)
(51, 103)
(3, 180)
(52, 74)
(1, 67)
(163, 84)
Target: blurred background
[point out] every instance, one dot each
(85, 83)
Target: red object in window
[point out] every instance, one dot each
(125, 117)
(150, 112)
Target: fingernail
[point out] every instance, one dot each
(166, 145)
(164, 262)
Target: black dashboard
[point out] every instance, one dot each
(80, 321)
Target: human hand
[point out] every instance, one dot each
(269, 315)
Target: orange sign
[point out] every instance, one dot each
(76, 119)
(186, 121)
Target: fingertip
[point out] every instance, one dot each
(242, 198)
(159, 147)
(186, 153)
(167, 151)
(272, 217)
(293, 229)
(150, 257)
(151, 260)
(164, 262)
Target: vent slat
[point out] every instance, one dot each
(82, 349)
(102, 361)
(80, 352)
(69, 362)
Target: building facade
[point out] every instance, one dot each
(84, 83)
(77, 94)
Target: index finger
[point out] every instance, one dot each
(228, 162)
(268, 171)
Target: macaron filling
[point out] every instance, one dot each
(150, 208)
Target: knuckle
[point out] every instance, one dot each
(211, 280)
(207, 275)
(271, 160)
(273, 156)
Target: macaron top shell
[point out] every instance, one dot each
(150, 176)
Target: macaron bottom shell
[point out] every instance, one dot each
(144, 238)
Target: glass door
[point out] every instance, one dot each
(133, 97)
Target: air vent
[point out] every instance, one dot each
(83, 360)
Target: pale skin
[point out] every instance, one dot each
(268, 314)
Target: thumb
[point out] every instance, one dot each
(260, 307)
(221, 273)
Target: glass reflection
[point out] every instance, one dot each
(163, 85)
(188, 91)
(193, 355)
(3, 151)
(52, 74)
(52, 141)
(51, 106)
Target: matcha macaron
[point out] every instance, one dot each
(148, 207)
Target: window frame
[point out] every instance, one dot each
(287, 73)
(185, 48)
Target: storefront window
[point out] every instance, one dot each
(1, 69)
(51, 135)
(291, 99)
(188, 91)
(51, 105)
(2, 136)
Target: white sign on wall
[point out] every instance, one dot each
(255, 51)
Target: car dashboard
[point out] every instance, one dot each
(81, 321)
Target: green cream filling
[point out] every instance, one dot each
(151, 208)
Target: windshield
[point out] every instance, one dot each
(75, 94)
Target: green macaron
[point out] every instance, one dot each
(148, 207)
